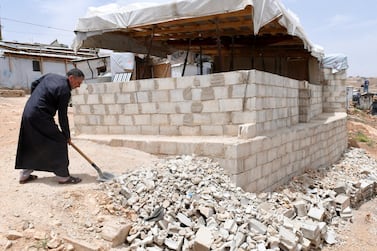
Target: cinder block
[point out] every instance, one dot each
(210, 106)
(221, 92)
(203, 240)
(123, 98)
(143, 97)
(176, 95)
(169, 148)
(169, 130)
(220, 118)
(201, 119)
(115, 109)
(125, 120)
(159, 119)
(131, 109)
(128, 86)
(213, 149)
(116, 129)
(166, 83)
(146, 84)
(207, 93)
(189, 130)
(93, 99)
(149, 130)
(160, 96)
(115, 233)
(247, 131)
(142, 119)
(238, 90)
(212, 130)
(112, 87)
(148, 108)
(166, 107)
(227, 105)
(110, 120)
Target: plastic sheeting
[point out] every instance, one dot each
(336, 62)
(113, 17)
(121, 62)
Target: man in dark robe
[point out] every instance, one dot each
(42, 145)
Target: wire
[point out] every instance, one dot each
(44, 26)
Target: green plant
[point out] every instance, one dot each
(361, 137)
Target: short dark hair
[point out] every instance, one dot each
(76, 73)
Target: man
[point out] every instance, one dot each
(42, 146)
(366, 85)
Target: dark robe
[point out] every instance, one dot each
(42, 145)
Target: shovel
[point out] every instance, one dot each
(103, 176)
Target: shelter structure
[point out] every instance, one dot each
(271, 109)
(22, 63)
(238, 35)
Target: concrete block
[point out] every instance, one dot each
(168, 130)
(257, 226)
(310, 230)
(212, 130)
(166, 107)
(238, 91)
(130, 86)
(93, 99)
(142, 119)
(150, 130)
(316, 213)
(115, 233)
(210, 106)
(207, 93)
(217, 79)
(146, 85)
(230, 105)
(149, 108)
(160, 96)
(166, 83)
(176, 95)
(222, 92)
(247, 131)
(203, 240)
(143, 97)
(169, 148)
(123, 98)
(115, 109)
(184, 82)
(110, 120)
(112, 87)
(220, 118)
(342, 201)
(300, 207)
(125, 120)
(189, 130)
(131, 109)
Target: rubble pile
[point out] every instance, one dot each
(189, 203)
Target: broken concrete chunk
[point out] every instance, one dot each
(316, 213)
(203, 240)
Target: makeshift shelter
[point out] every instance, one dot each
(238, 34)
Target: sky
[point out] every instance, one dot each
(338, 26)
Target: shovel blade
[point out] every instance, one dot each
(105, 176)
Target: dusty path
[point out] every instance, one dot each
(43, 204)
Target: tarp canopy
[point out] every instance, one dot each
(336, 61)
(133, 27)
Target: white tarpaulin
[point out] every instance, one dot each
(336, 62)
(113, 17)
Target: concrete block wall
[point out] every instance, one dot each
(334, 91)
(209, 105)
(262, 128)
(265, 162)
(311, 103)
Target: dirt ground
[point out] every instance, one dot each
(46, 207)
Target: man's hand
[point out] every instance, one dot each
(69, 141)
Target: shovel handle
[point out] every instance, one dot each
(82, 154)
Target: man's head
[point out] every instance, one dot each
(75, 77)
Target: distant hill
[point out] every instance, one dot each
(358, 81)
